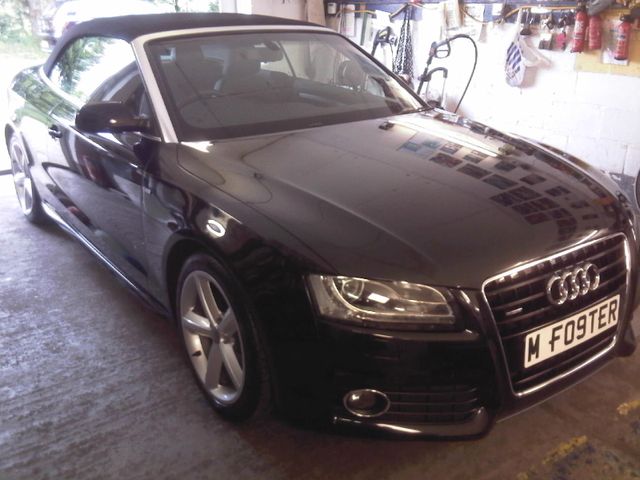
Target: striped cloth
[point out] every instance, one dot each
(514, 65)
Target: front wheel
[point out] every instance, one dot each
(23, 183)
(220, 339)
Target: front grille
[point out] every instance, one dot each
(436, 405)
(519, 305)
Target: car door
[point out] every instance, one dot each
(100, 175)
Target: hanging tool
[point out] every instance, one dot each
(426, 78)
(384, 37)
(403, 61)
(560, 40)
(546, 33)
(441, 50)
(526, 29)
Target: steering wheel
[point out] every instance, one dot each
(348, 73)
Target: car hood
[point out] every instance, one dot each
(429, 198)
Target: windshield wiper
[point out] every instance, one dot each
(413, 110)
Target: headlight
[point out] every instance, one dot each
(375, 303)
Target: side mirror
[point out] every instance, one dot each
(110, 117)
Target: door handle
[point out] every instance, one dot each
(54, 131)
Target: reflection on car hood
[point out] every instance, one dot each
(412, 197)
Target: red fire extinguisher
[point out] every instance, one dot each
(624, 35)
(595, 32)
(580, 30)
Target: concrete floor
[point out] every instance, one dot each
(93, 385)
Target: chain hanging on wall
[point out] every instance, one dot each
(403, 61)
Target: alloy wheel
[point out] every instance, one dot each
(21, 178)
(212, 337)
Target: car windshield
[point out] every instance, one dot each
(232, 85)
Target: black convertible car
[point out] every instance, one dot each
(326, 242)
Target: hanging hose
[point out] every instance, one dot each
(403, 62)
(473, 70)
(436, 52)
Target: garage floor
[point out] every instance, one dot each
(93, 385)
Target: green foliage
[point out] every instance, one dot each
(16, 22)
(79, 57)
(12, 21)
(15, 32)
(10, 30)
(26, 48)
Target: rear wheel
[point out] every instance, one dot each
(23, 183)
(220, 339)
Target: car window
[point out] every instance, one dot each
(98, 69)
(231, 85)
(88, 62)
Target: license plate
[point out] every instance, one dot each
(566, 334)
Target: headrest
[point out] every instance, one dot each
(241, 67)
(263, 54)
(188, 51)
(246, 60)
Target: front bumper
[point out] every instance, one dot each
(442, 385)
(476, 426)
(458, 384)
(448, 385)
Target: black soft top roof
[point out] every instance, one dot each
(132, 26)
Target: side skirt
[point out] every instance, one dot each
(148, 299)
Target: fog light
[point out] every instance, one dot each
(366, 403)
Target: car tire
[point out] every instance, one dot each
(220, 339)
(637, 189)
(28, 196)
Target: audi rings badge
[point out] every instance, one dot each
(571, 284)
